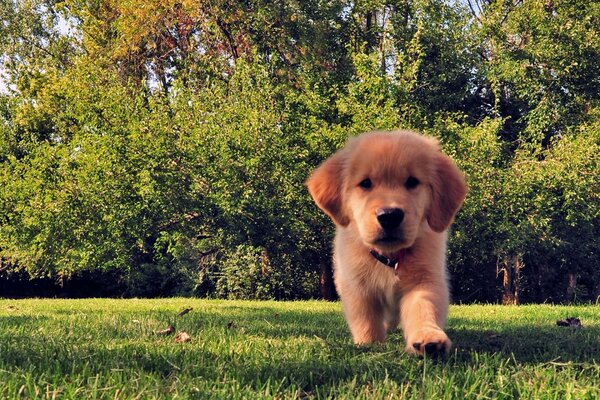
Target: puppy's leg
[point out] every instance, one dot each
(365, 319)
(424, 309)
(391, 321)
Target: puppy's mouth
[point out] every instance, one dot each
(389, 242)
(389, 239)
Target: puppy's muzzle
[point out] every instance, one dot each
(390, 218)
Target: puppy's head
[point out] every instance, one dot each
(389, 185)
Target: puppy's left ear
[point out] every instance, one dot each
(448, 193)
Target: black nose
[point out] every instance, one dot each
(390, 218)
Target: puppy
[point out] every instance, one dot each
(392, 197)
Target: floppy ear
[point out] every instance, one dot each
(325, 187)
(448, 193)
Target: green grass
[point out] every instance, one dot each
(108, 349)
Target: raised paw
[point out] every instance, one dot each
(431, 342)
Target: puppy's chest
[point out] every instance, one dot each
(368, 276)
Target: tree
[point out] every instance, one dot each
(542, 64)
(166, 143)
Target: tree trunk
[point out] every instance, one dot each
(511, 282)
(571, 286)
(264, 262)
(597, 292)
(326, 285)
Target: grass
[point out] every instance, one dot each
(108, 349)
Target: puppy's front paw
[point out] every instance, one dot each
(431, 341)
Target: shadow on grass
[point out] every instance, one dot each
(529, 344)
(524, 342)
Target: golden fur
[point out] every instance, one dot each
(374, 173)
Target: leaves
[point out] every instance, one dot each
(168, 331)
(169, 142)
(572, 322)
(185, 311)
(182, 337)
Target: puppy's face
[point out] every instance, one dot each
(390, 186)
(387, 190)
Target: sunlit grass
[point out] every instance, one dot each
(285, 350)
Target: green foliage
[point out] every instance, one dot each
(168, 143)
(247, 274)
(370, 102)
(474, 237)
(544, 64)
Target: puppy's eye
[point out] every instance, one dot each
(411, 182)
(366, 183)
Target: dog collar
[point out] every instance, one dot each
(389, 262)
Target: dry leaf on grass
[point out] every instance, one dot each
(168, 331)
(182, 337)
(185, 311)
(571, 321)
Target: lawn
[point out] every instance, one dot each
(110, 349)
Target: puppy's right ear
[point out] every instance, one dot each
(325, 187)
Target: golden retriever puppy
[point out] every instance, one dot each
(392, 197)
